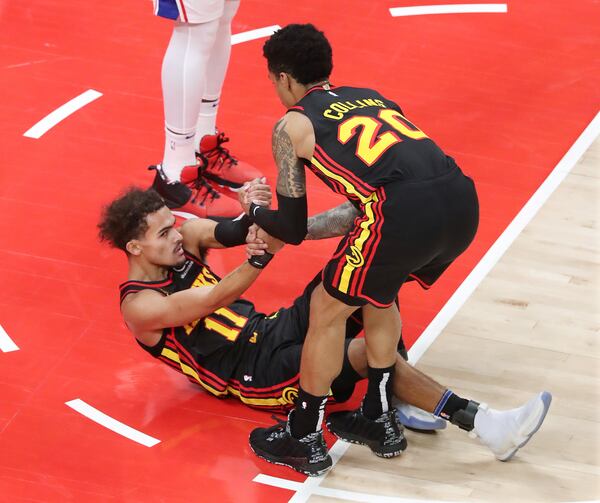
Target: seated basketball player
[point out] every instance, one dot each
(184, 315)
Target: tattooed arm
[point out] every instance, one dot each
(292, 138)
(291, 179)
(331, 223)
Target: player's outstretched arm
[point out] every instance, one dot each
(332, 223)
(148, 310)
(293, 139)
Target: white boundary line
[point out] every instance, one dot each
(312, 484)
(489, 8)
(111, 423)
(246, 36)
(61, 113)
(489, 260)
(6, 343)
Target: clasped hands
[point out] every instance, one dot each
(257, 191)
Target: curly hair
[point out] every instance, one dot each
(300, 50)
(125, 218)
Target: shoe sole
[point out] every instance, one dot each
(383, 451)
(415, 424)
(546, 399)
(316, 470)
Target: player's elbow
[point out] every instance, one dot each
(293, 234)
(297, 236)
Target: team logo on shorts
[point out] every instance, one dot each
(355, 257)
(289, 395)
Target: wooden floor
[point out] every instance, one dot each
(533, 324)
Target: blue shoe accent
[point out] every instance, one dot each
(418, 419)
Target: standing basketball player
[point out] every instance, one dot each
(193, 71)
(412, 213)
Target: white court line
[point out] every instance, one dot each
(312, 484)
(335, 493)
(6, 343)
(449, 9)
(112, 424)
(246, 36)
(62, 112)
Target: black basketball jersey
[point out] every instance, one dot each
(363, 141)
(206, 350)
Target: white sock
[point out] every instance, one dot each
(207, 118)
(179, 152)
(218, 62)
(183, 83)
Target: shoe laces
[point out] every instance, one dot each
(203, 191)
(280, 428)
(223, 159)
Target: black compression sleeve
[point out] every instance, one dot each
(233, 232)
(288, 223)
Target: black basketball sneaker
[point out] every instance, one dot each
(276, 445)
(383, 435)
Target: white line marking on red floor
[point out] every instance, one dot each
(112, 424)
(6, 343)
(420, 10)
(61, 113)
(246, 36)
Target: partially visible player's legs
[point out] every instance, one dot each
(375, 424)
(216, 162)
(411, 417)
(382, 333)
(503, 432)
(217, 63)
(299, 443)
(183, 81)
(184, 73)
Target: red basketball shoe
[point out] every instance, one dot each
(194, 199)
(219, 166)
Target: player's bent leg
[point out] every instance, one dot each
(412, 417)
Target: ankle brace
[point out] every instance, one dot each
(465, 418)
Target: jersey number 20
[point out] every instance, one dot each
(371, 145)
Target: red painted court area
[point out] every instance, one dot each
(505, 94)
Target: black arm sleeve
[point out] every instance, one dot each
(288, 222)
(233, 232)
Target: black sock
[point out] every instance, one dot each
(449, 404)
(379, 392)
(343, 385)
(308, 414)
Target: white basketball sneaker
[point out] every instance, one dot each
(504, 432)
